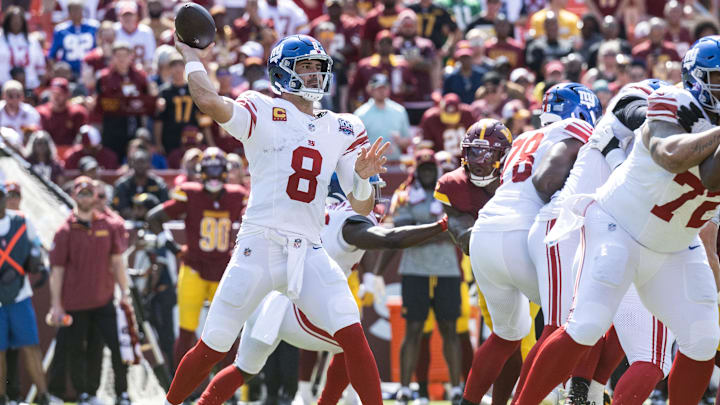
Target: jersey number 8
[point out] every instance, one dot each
(305, 178)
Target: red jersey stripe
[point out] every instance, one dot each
(578, 133)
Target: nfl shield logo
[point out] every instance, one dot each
(297, 243)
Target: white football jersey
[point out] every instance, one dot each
(288, 17)
(516, 202)
(26, 118)
(291, 157)
(661, 210)
(346, 255)
(142, 41)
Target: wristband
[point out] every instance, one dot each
(194, 66)
(444, 222)
(362, 190)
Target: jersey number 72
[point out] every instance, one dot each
(666, 211)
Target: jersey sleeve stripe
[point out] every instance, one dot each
(253, 117)
(576, 132)
(662, 107)
(356, 144)
(442, 198)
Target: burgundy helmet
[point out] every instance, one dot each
(484, 147)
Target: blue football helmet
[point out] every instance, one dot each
(283, 60)
(570, 100)
(655, 83)
(701, 59)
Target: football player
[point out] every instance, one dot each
(209, 209)
(642, 227)
(463, 193)
(346, 236)
(498, 241)
(292, 151)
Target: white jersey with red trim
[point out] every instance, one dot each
(345, 254)
(516, 202)
(663, 211)
(292, 156)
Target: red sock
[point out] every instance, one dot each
(553, 364)
(610, 358)
(586, 367)
(717, 363)
(688, 380)
(488, 362)
(185, 341)
(547, 331)
(192, 370)
(360, 364)
(307, 364)
(637, 383)
(505, 382)
(467, 353)
(422, 368)
(222, 386)
(337, 380)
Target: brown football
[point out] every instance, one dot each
(195, 26)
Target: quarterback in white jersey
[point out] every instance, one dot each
(292, 151)
(346, 235)
(642, 228)
(498, 243)
(640, 334)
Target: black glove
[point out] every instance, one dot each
(173, 246)
(688, 116)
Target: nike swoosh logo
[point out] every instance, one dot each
(693, 247)
(317, 247)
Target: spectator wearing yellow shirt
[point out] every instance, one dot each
(567, 21)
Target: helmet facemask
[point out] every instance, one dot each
(213, 175)
(482, 161)
(296, 83)
(706, 88)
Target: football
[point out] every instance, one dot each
(195, 26)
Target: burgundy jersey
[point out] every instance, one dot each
(455, 190)
(63, 126)
(512, 49)
(396, 69)
(444, 136)
(208, 225)
(377, 20)
(346, 39)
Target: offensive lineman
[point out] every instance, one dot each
(642, 227)
(292, 152)
(346, 236)
(498, 242)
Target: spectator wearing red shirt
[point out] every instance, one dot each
(382, 17)
(90, 145)
(119, 81)
(61, 118)
(99, 57)
(87, 261)
(445, 125)
(655, 49)
(346, 39)
(190, 138)
(503, 45)
(384, 61)
(419, 53)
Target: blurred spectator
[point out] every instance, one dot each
(155, 19)
(465, 78)
(462, 11)
(14, 112)
(190, 137)
(575, 67)
(74, 38)
(20, 49)
(346, 36)
(99, 57)
(437, 25)
(655, 49)
(61, 118)
(254, 70)
(288, 18)
(485, 21)
(610, 32)
(175, 108)
(139, 180)
(444, 125)
(129, 29)
(516, 117)
(607, 64)
(90, 145)
(492, 96)
(568, 23)
(380, 18)
(87, 256)
(602, 90)
(189, 165)
(384, 61)
(504, 45)
(12, 138)
(419, 53)
(225, 52)
(93, 10)
(162, 57)
(385, 118)
(547, 47)
(144, 140)
(554, 72)
(119, 81)
(590, 35)
(677, 32)
(42, 156)
(705, 27)
(237, 171)
(603, 8)
(336, 99)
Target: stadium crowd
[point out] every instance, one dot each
(95, 98)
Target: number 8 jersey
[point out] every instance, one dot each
(516, 202)
(663, 211)
(291, 158)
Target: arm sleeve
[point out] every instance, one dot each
(345, 168)
(631, 112)
(243, 120)
(579, 130)
(177, 204)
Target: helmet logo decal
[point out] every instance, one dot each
(276, 53)
(690, 58)
(587, 99)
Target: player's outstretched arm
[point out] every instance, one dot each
(459, 227)
(201, 88)
(555, 168)
(676, 150)
(366, 236)
(369, 163)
